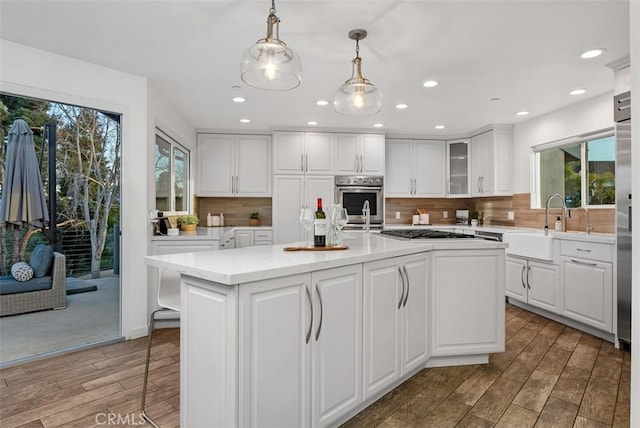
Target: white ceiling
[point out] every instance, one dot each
(524, 52)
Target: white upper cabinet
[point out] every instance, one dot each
(491, 160)
(458, 169)
(415, 168)
(233, 165)
(360, 154)
(303, 153)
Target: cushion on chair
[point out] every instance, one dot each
(21, 271)
(41, 259)
(9, 285)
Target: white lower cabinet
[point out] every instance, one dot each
(588, 292)
(395, 324)
(467, 301)
(301, 339)
(532, 282)
(244, 238)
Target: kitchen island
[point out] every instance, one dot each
(295, 339)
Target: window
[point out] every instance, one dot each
(172, 174)
(582, 169)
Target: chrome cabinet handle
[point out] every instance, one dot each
(584, 250)
(361, 163)
(311, 318)
(522, 277)
(402, 295)
(528, 285)
(306, 163)
(406, 275)
(301, 162)
(583, 263)
(482, 184)
(478, 184)
(321, 312)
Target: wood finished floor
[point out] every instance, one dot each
(549, 376)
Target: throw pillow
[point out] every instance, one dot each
(41, 259)
(21, 271)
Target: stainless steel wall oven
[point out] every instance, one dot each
(353, 190)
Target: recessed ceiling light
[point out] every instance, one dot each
(378, 125)
(522, 113)
(430, 84)
(494, 99)
(322, 102)
(245, 121)
(238, 99)
(592, 53)
(312, 122)
(439, 127)
(578, 91)
(401, 106)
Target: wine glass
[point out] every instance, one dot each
(341, 219)
(307, 218)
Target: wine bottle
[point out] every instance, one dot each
(320, 227)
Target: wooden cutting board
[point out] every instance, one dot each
(337, 247)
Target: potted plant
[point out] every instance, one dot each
(188, 222)
(254, 219)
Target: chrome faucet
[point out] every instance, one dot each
(546, 213)
(588, 228)
(366, 215)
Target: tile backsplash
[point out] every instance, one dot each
(236, 210)
(494, 211)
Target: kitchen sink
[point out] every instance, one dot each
(533, 245)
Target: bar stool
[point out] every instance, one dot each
(168, 300)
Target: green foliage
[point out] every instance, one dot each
(255, 215)
(188, 219)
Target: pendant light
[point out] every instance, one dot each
(270, 63)
(357, 96)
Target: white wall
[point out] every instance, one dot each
(590, 115)
(36, 73)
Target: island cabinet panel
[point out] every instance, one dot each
(467, 302)
(209, 328)
(301, 343)
(336, 343)
(395, 327)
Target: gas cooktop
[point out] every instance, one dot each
(423, 234)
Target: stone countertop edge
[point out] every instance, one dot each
(207, 233)
(242, 265)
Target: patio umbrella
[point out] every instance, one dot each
(23, 202)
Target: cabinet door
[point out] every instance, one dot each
(543, 285)
(347, 155)
(458, 168)
(275, 363)
(336, 373)
(319, 187)
(215, 162)
(515, 285)
(288, 199)
(475, 149)
(588, 292)
(467, 289)
(319, 154)
(502, 162)
(253, 165)
(415, 347)
(381, 325)
(288, 152)
(428, 161)
(487, 178)
(398, 179)
(372, 154)
(244, 238)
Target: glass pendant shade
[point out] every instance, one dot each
(270, 64)
(357, 96)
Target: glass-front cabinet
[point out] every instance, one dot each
(458, 168)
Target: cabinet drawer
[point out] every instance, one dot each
(263, 235)
(587, 250)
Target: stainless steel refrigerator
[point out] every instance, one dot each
(622, 115)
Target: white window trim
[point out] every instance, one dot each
(172, 197)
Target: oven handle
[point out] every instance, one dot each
(349, 188)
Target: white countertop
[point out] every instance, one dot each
(206, 233)
(242, 265)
